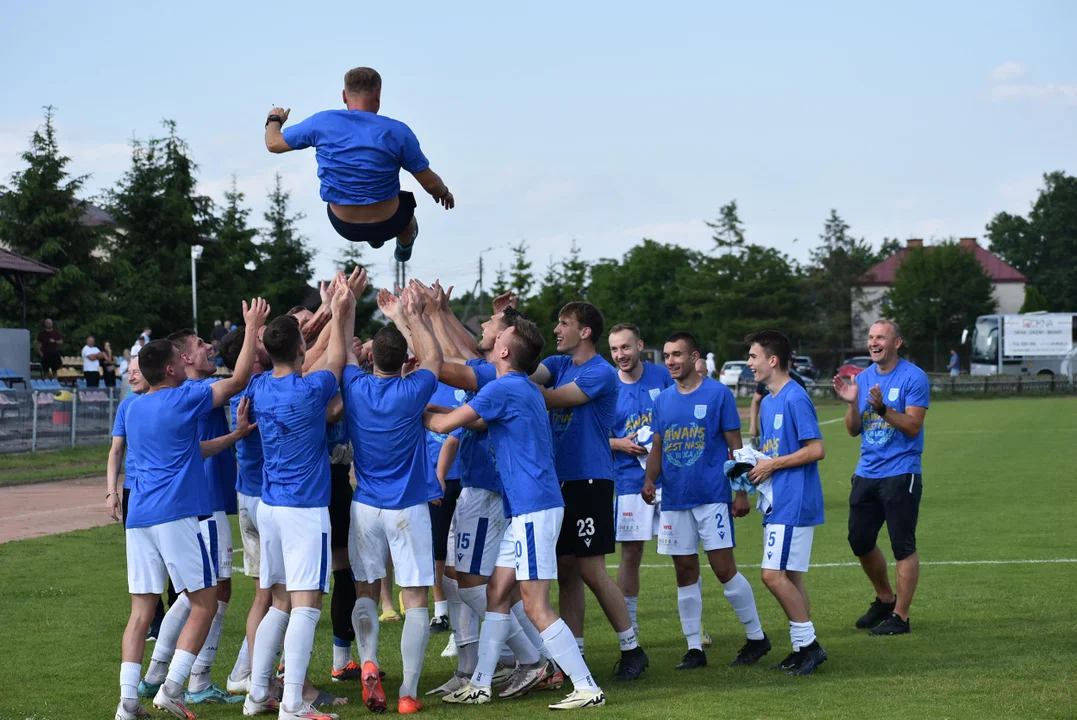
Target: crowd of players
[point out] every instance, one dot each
(539, 469)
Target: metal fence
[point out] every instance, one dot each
(943, 385)
(53, 419)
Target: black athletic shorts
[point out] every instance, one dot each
(893, 500)
(126, 500)
(375, 234)
(588, 528)
(441, 518)
(51, 362)
(340, 505)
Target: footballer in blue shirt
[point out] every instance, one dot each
(696, 427)
(360, 155)
(887, 406)
(790, 492)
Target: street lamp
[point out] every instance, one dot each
(196, 254)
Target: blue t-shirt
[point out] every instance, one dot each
(119, 429)
(162, 442)
(479, 468)
(290, 412)
(221, 468)
(884, 451)
(634, 404)
(249, 456)
(385, 422)
(694, 449)
(360, 154)
(515, 412)
(581, 435)
(450, 397)
(787, 420)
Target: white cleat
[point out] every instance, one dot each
(239, 687)
(450, 650)
(707, 642)
(580, 699)
(306, 711)
(252, 708)
(122, 714)
(468, 695)
(456, 682)
(174, 706)
(526, 678)
(502, 675)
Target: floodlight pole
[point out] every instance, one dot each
(196, 254)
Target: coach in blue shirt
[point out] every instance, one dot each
(887, 406)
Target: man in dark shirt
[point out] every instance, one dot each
(49, 341)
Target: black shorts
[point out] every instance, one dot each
(893, 500)
(375, 234)
(126, 501)
(588, 528)
(340, 505)
(441, 518)
(51, 362)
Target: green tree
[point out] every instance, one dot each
(285, 270)
(546, 303)
(41, 217)
(1035, 301)
(937, 292)
(350, 258)
(521, 279)
(574, 274)
(1043, 246)
(501, 283)
(728, 229)
(889, 247)
(227, 270)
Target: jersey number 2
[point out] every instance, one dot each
(585, 527)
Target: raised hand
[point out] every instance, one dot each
(388, 303)
(326, 293)
(503, 301)
(282, 112)
(343, 300)
(357, 281)
(845, 391)
(255, 314)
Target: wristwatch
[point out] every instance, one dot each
(274, 118)
(882, 410)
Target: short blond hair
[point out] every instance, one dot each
(362, 80)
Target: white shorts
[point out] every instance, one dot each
(636, 520)
(217, 531)
(683, 530)
(530, 544)
(294, 545)
(248, 533)
(175, 550)
(475, 532)
(786, 547)
(404, 534)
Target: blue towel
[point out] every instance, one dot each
(739, 483)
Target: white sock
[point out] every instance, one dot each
(178, 670)
(525, 652)
(579, 643)
(467, 658)
(366, 626)
(492, 635)
(507, 658)
(738, 591)
(242, 668)
(627, 639)
(465, 627)
(801, 635)
(631, 602)
(413, 639)
(566, 653)
(475, 598)
(529, 629)
(690, 608)
(130, 672)
(266, 646)
(341, 656)
(171, 627)
(298, 644)
(441, 607)
(200, 679)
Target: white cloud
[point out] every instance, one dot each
(1066, 94)
(1009, 70)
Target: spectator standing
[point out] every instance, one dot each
(91, 363)
(49, 342)
(954, 366)
(108, 366)
(137, 346)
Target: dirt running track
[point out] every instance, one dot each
(48, 508)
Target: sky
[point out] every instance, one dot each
(598, 122)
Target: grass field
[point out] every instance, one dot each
(993, 638)
(43, 466)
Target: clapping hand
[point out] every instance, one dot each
(845, 391)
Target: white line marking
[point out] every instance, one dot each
(925, 562)
(828, 422)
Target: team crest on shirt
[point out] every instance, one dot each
(460, 395)
(892, 396)
(778, 421)
(701, 411)
(654, 392)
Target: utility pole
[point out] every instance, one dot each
(196, 255)
(476, 292)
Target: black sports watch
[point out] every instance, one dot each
(274, 118)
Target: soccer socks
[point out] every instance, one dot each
(266, 646)
(465, 626)
(529, 628)
(242, 668)
(367, 627)
(801, 635)
(738, 591)
(340, 610)
(690, 608)
(492, 635)
(627, 639)
(631, 602)
(298, 644)
(413, 641)
(579, 644)
(171, 627)
(526, 653)
(475, 598)
(441, 607)
(130, 672)
(178, 670)
(200, 679)
(566, 653)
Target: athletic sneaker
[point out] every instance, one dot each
(172, 705)
(878, 612)
(122, 714)
(707, 642)
(373, 693)
(351, 671)
(280, 671)
(306, 712)
(692, 660)
(153, 632)
(752, 652)
(457, 681)
(439, 624)
(788, 663)
(450, 650)
(468, 695)
(502, 675)
(408, 705)
(148, 690)
(211, 695)
(630, 667)
(580, 699)
(252, 708)
(525, 678)
(238, 687)
(811, 657)
(554, 681)
(893, 625)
